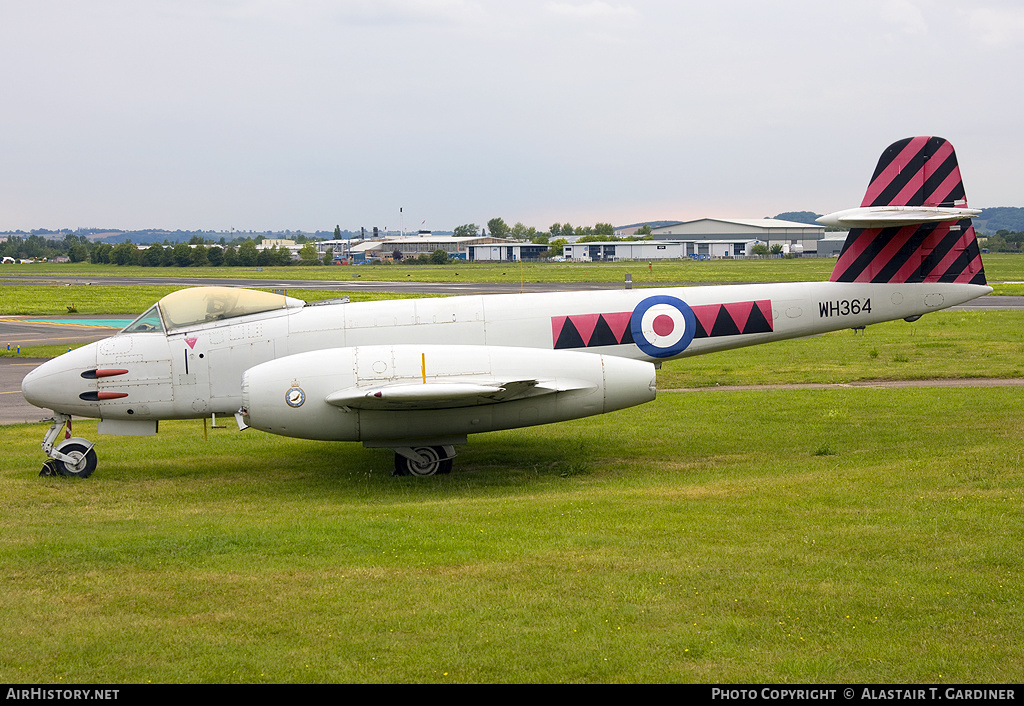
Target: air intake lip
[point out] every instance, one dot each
(103, 373)
(95, 396)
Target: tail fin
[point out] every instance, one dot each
(914, 224)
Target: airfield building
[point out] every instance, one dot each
(657, 250)
(508, 251)
(797, 236)
(416, 245)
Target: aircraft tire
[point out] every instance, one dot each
(436, 464)
(85, 460)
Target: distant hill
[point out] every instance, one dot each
(652, 224)
(997, 218)
(993, 219)
(799, 217)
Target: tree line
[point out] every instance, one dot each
(242, 251)
(1004, 241)
(197, 253)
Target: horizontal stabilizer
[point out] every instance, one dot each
(894, 216)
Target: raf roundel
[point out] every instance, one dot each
(663, 326)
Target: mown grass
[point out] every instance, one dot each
(53, 299)
(999, 267)
(701, 538)
(946, 344)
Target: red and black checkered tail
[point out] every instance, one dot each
(914, 224)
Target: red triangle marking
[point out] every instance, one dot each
(740, 312)
(191, 342)
(618, 323)
(557, 324)
(707, 314)
(585, 324)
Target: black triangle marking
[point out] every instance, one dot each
(569, 337)
(602, 335)
(756, 323)
(724, 325)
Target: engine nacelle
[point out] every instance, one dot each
(407, 392)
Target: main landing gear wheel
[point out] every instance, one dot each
(82, 463)
(435, 461)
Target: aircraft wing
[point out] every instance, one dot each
(445, 394)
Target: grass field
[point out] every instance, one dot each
(782, 536)
(53, 300)
(842, 535)
(999, 267)
(946, 344)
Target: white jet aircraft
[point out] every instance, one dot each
(418, 376)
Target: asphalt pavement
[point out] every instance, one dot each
(13, 407)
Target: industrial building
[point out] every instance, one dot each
(507, 251)
(704, 238)
(416, 245)
(656, 250)
(745, 230)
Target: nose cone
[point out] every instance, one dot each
(57, 383)
(830, 220)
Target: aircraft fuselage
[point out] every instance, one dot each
(194, 371)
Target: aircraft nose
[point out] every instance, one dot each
(53, 384)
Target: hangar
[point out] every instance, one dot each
(657, 250)
(416, 245)
(763, 230)
(506, 251)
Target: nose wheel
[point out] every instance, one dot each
(72, 456)
(79, 461)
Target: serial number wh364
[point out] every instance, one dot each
(844, 307)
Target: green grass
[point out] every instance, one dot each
(53, 299)
(998, 267)
(946, 344)
(701, 538)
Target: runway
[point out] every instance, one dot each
(28, 331)
(13, 407)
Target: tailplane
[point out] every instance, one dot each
(913, 224)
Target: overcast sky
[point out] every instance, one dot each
(304, 114)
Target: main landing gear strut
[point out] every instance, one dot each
(72, 456)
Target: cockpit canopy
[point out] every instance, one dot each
(200, 305)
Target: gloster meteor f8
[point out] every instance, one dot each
(419, 376)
